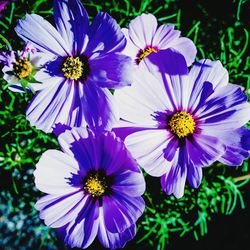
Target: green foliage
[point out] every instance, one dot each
(21, 145)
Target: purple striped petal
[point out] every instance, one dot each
(105, 36)
(112, 70)
(114, 240)
(61, 103)
(226, 109)
(205, 71)
(120, 212)
(99, 107)
(72, 23)
(204, 150)
(237, 146)
(173, 182)
(194, 175)
(58, 210)
(82, 231)
(165, 36)
(42, 35)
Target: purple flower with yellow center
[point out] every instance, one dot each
(88, 62)
(176, 124)
(21, 68)
(144, 38)
(93, 188)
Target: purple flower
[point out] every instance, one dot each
(93, 188)
(21, 68)
(176, 124)
(144, 38)
(87, 63)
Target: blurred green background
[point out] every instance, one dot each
(216, 216)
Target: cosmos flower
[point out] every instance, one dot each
(21, 68)
(144, 38)
(93, 188)
(181, 123)
(87, 63)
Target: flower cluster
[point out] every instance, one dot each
(168, 115)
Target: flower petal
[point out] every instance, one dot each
(81, 144)
(99, 107)
(105, 36)
(72, 23)
(140, 102)
(114, 240)
(131, 49)
(112, 70)
(204, 150)
(237, 146)
(129, 183)
(187, 48)
(142, 29)
(57, 104)
(226, 109)
(54, 171)
(82, 231)
(173, 182)
(194, 175)
(121, 212)
(58, 210)
(165, 36)
(170, 68)
(111, 145)
(205, 71)
(148, 148)
(42, 35)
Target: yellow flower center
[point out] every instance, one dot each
(96, 185)
(182, 124)
(22, 68)
(73, 68)
(144, 53)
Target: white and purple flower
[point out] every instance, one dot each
(21, 68)
(93, 188)
(88, 62)
(176, 124)
(144, 38)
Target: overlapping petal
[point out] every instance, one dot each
(111, 71)
(105, 36)
(114, 240)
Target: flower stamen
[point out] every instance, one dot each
(182, 124)
(144, 53)
(96, 185)
(22, 68)
(72, 68)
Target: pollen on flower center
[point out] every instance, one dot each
(96, 185)
(72, 68)
(144, 53)
(182, 124)
(22, 68)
